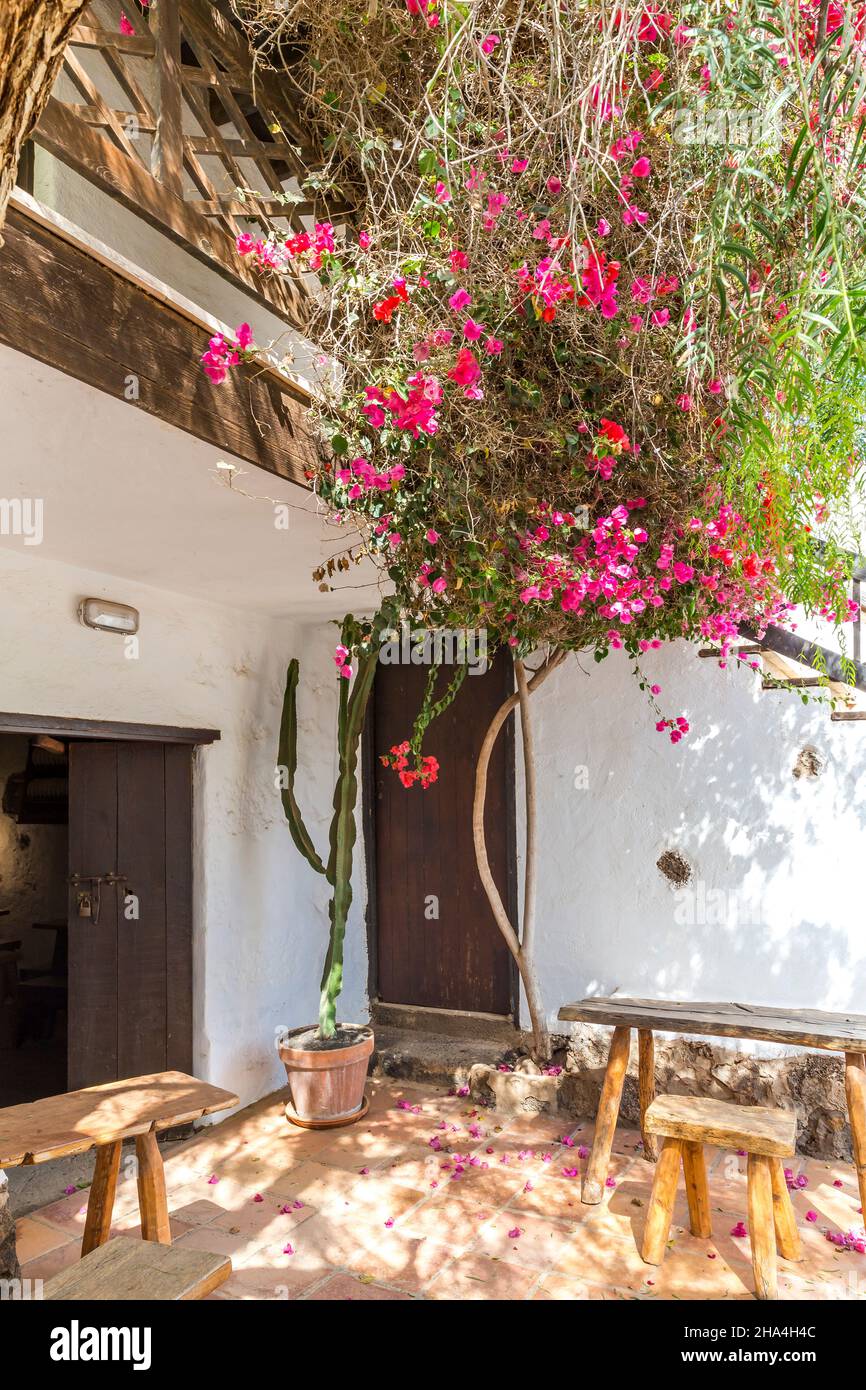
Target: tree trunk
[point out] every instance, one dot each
(33, 38)
(8, 1258)
(521, 950)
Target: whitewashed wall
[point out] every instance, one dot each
(260, 913)
(775, 912)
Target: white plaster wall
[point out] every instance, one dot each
(788, 926)
(260, 911)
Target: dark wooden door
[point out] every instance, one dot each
(130, 966)
(424, 855)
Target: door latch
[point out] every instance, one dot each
(89, 899)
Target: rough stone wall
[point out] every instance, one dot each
(811, 1084)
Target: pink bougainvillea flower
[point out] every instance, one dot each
(583, 1151)
(466, 370)
(472, 330)
(288, 1248)
(571, 1172)
(442, 193)
(641, 168)
(460, 299)
(488, 44)
(610, 1182)
(554, 186)
(432, 536)
(811, 1216)
(258, 1197)
(493, 346)
(390, 1222)
(125, 26)
(661, 317)
(739, 1230)
(684, 401)
(514, 1233)
(212, 1179)
(837, 1182)
(714, 387)
(602, 227)
(68, 1191)
(364, 240)
(519, 166)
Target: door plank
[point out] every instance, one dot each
(141, 949)
(178, 906)
(92, 1029)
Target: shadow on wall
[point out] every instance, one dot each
(758, 817)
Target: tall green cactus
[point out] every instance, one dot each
(353, 701)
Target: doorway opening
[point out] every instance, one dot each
(34, 841)
(96, 903)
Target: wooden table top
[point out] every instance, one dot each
(800, 1027)
(75, 1122)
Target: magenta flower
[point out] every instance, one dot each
(488, 44)
(811, 1216)
(514, 1233)
(739, 1230)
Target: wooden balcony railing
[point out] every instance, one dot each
(202, 146)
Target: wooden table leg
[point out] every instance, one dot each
(646, 1076)
(855, 1090)
(100, 1204)
(762, 1231)
(592, 1189)
(152, 1201)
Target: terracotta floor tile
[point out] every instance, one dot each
(452, 1221)
(68, 1214)
(402, 1261)
(348, 1288)
(46, 1266)
(477, 1277)
(32, 1238)
(538, 1243)
(271, 1282)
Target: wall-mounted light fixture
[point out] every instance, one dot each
(106, 616)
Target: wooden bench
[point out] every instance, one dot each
(797, 1027)
(137, 1270)
(687, 1123)
(101, 1117)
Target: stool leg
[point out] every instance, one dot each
(761, 1229)
(661, 1207)
(646, 1080)
(152, 1201)
(592, 1189)
(697, 1190)
(787, 1235)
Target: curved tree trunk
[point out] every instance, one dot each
(521, 949)
(33, 39)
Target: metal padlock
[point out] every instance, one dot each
(85, 905)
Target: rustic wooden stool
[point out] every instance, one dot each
(686, 1123)
(140, 1270)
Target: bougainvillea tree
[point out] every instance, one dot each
(596, 330)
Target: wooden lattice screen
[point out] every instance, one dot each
(172, 122)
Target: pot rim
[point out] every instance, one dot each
(346, 1051)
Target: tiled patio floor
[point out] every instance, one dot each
(376, 1212)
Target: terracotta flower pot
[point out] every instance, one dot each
(327, 1081)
